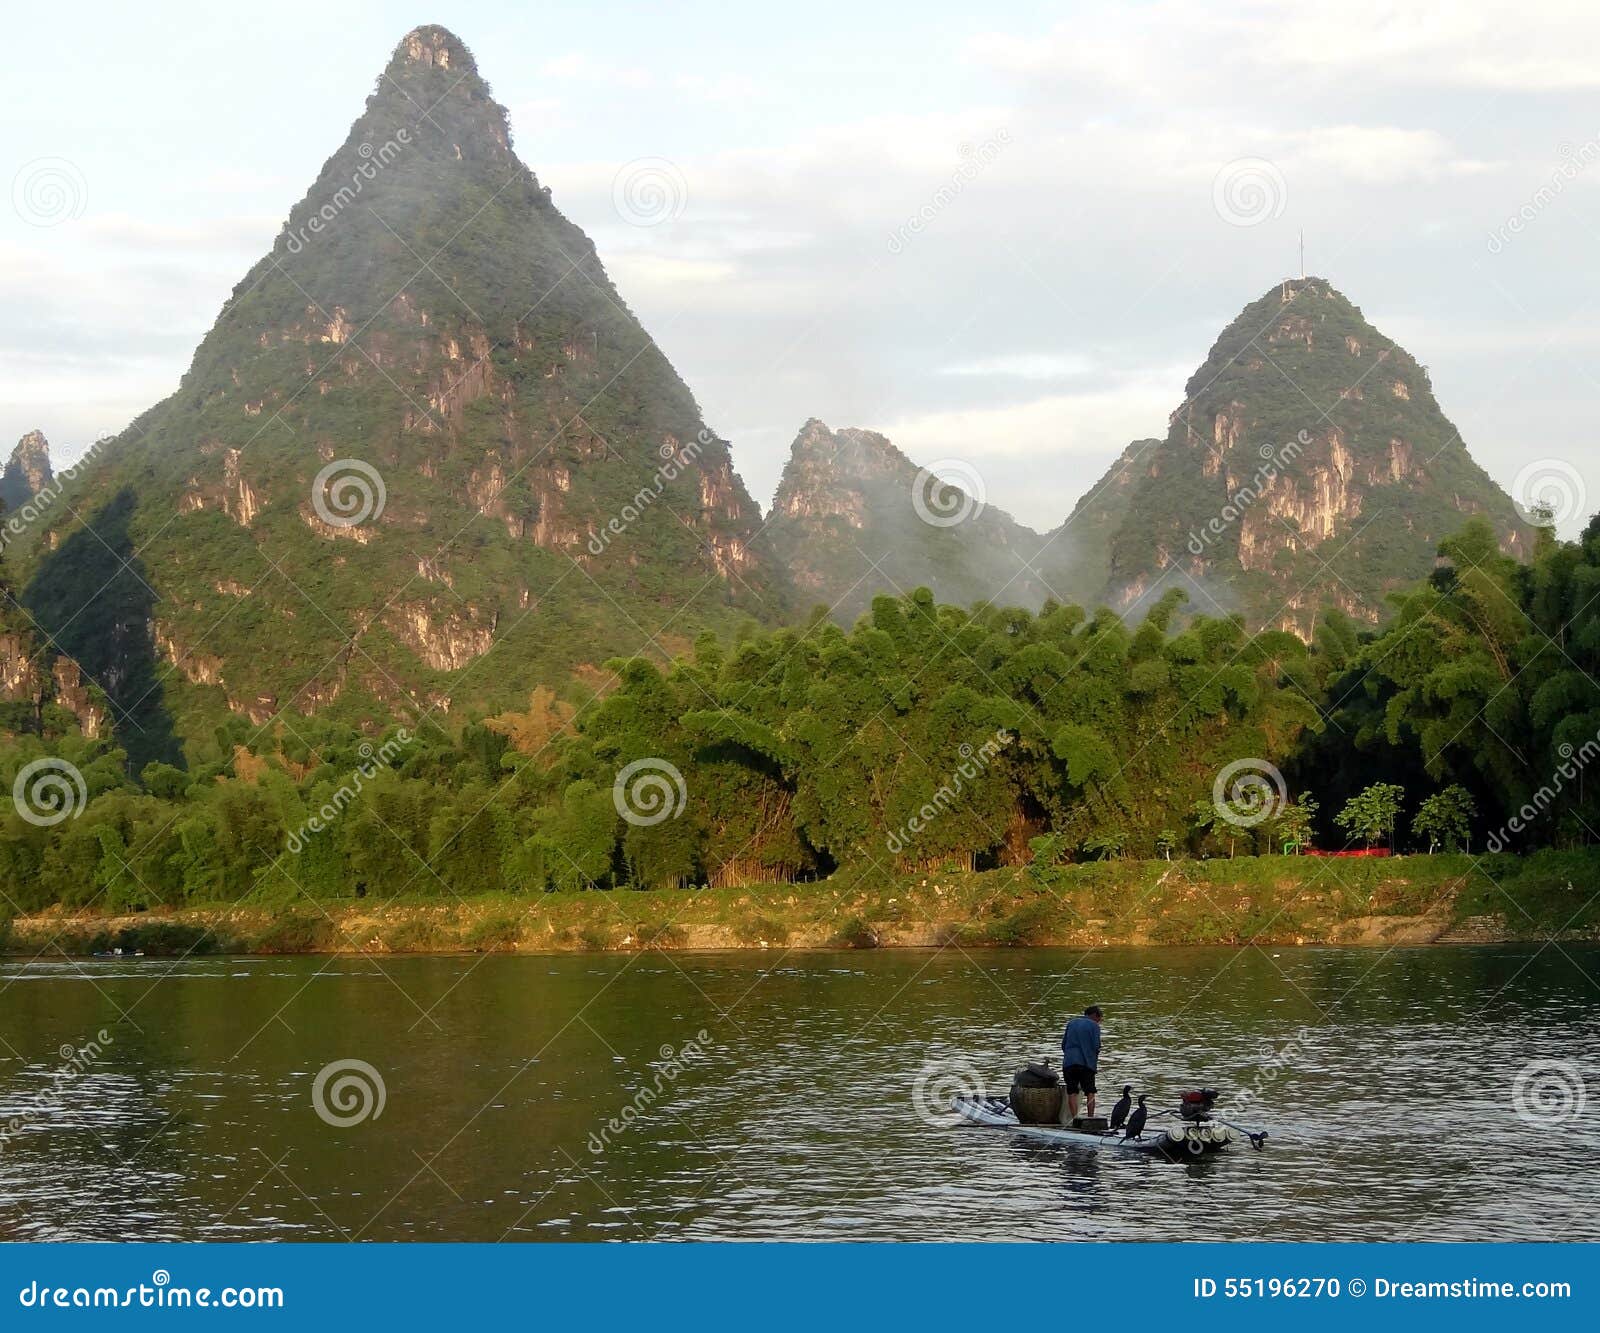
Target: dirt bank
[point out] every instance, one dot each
(1266, 900)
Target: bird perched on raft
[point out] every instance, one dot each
(1119, 1112)
(1136, 1121)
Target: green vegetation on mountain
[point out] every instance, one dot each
(540, 491)
(1308, 467)
(1087, 534)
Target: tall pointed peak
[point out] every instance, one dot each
(432, 89)
(431, 331)
(32, 455)
(1309, 465)
(433, 47)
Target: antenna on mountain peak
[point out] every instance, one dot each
(1302, 254)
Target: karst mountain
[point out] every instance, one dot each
(425, 458)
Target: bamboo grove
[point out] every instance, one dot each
(927, 736)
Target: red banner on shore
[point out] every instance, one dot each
(1349, 851)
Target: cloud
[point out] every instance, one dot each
(1376, 155)
(577, 67)
(1024, 366)
(638, 271)
(1171, 50)
(1038, 455)
(249, 234)
(534, 120)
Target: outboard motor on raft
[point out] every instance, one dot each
(1198, 1104)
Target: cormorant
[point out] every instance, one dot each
(1136, 1121)
(1119, 1112)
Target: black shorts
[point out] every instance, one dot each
(1080, 1078)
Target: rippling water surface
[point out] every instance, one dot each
(1387, 1081)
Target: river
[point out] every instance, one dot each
(160, 1099)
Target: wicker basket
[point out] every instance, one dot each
(1036, 1106)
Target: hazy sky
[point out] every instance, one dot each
(1099, 189)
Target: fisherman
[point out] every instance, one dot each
(1080, 1056)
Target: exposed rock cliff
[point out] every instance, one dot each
(28, 470)
(31, 680)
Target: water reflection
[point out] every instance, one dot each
(1384, 1078)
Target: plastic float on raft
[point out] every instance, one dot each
(1197, 1131)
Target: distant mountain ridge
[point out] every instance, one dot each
(41, 690)
(1309, 466)
(854, 518)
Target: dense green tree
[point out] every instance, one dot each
(1293, 825)
(1372, 813)
(1446, 818)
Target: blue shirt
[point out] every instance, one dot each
(1080, 1043)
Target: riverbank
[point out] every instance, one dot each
(1263, 900)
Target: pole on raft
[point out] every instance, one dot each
(1257, 1137)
